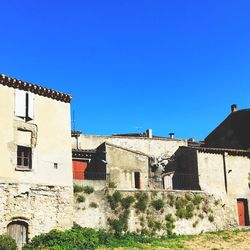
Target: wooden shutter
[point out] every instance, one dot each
(20, 104)
(31, 106)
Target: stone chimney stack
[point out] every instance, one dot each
(171, 135)
(234, 108)
(149, 133)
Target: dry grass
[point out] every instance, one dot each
(226, 240)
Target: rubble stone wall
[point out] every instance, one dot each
(42, 207)
(201, 212)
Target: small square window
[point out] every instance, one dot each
(24, 157)
(55, 165)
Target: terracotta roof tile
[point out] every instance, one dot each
(36, 89)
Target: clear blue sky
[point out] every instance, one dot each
(166, 65)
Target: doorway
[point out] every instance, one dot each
(243, 215)
(137, 180)
(18, 230)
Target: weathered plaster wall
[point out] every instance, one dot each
(150, 146)
(43, 208)
(50, 141)
(214, 168)
(121, 166)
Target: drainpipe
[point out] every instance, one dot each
(225, 169)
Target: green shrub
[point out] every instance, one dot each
(180, 203)
(78, 188)
(158, 204)
(197, 200)
(112, 184)
(216, 202)
(211, 218)
(201, 216)
(120, 225)
(7, 243)
(93, 205)
(76, 238)
(114, 200)
(80, 199)
(154, 225)
(171, 199)
(195, 223)
(181, 213)
(205, 209)
(142, 202)
(184, 213)
(190, 207)
(88, 190)
(127, 202)
(170, 227)
(188, 197)
(169, 218)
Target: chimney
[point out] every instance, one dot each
(233, 108)
(149, 133)
(171, 135)
(191, 139)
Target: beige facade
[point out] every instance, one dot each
(151, 146)
(36, 163)
(226, 177)
(127, 169)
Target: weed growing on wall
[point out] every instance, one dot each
(127, 202)
(197, 200)
(114, 200)
(78, 188)
(112, 184)
(150, 216)
(158, 204)
(80, 198)
(88, 190)
(142, 202)
(93, 205)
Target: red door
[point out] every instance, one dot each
(241, 212)
(79, 168)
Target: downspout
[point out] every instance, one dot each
(225, 169)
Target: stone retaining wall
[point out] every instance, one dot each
(208, 214)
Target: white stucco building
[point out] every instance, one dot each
(35, 164)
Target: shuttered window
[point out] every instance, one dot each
(24, 106)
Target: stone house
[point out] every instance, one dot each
(35, 167)
(128, 160)
(223, 173)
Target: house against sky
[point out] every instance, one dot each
(36, 189)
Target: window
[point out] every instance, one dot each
(24, 157)
(24, 105)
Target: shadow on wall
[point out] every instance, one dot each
(96, 169)
(184, 170)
